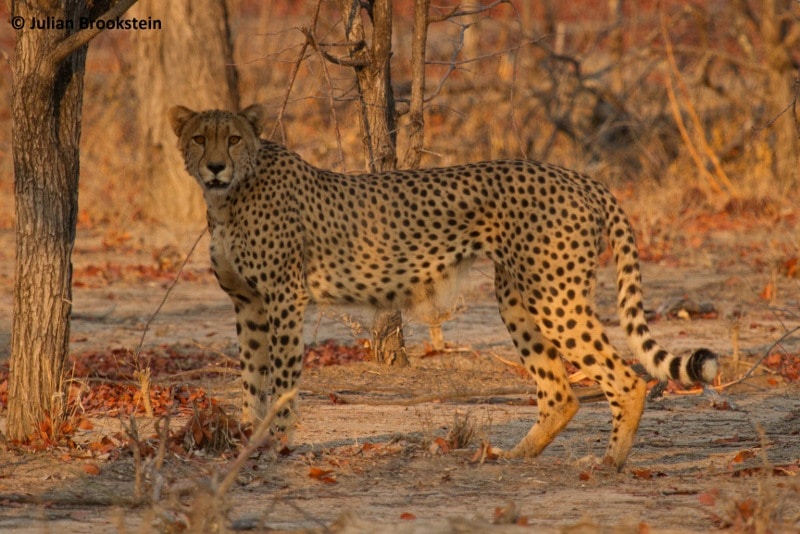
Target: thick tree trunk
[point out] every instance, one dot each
(189, 62)
(47, 95)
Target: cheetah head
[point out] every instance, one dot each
(219, 147)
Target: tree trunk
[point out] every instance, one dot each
(47, 93)
(373, 75)
(374, 80)
(416, 118)
(780, 38)
(189, 62)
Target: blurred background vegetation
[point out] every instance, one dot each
(681, 107)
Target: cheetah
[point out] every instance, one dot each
(284, 232)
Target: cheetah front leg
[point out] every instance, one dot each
(252, 330)
(269, 332)
(285, 313)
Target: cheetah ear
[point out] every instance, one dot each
(178, 117)
(256, 115)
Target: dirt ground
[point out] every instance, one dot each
(380, 459)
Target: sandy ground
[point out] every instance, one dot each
(378, 464)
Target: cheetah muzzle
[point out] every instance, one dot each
(284, 232)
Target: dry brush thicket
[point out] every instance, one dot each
(678, 108)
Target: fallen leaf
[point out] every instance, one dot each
(768, 292)
(484, 454)
(92, 469)
(407, 516)
(336, 399)
(744, 455)
(322, 475)
(709, 498)
(439, 446)
(85, 424)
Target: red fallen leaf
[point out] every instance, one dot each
(442, 445)
(744, 455)
(322, 475)
(336, 399)
(709, 498)
(92, 469)
(768, 292)
(407, 516)
(585, 475)
(84, 424)
(484, 454)
(509, 515)
(105, 444)
(746, 508)
(791, 268)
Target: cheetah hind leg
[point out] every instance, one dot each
(556, 401)
(593, 353)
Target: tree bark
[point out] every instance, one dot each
(373, 75)
(378, 126)
(48, 70)
(780, 37)
(416, 118)
(189, 62)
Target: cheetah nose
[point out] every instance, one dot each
(215, 168)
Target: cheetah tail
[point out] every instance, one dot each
(701, 366)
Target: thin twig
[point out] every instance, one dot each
(454, 12)
(310, 38)
(762, 358)
(75, 500)
(258, 438)
(166, 295)
(293, 76)
(589, 394)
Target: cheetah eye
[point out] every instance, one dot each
(234, 140)
(199, 139)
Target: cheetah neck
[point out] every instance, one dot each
(218, 206)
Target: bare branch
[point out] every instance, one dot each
(791, 105)
(445, 16)
(454, 12)
(355, 62)
(342, 166)
(68, 45)
(293, 75)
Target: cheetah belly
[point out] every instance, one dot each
(404, 286)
